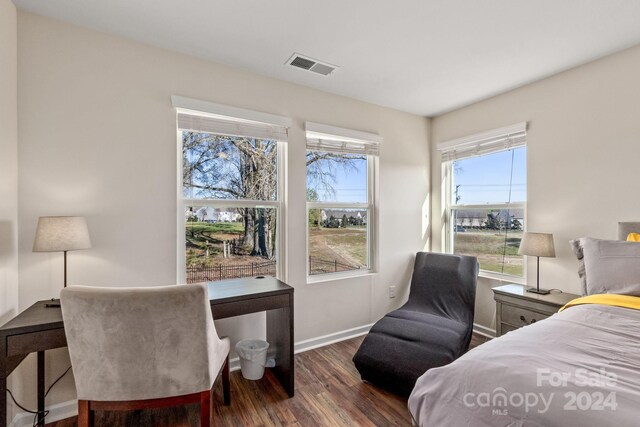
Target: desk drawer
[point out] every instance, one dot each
(253, 305)
(35, 341)
(519, 316)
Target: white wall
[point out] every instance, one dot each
(98, 138)
(583, 147)
(8, 161)
(8, 164)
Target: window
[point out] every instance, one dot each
(486, 194)
(341, 168)
(231, 197)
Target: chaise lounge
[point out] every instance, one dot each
(432, 329)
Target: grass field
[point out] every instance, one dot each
(201, 235)
(345, 245)
(489, 247)
(348, 246)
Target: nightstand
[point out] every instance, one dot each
(515, 307)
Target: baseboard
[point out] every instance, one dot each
(57, 412)
(484, 331)
(317, 342)
(68, 409)
(335, 337)
(234, 364)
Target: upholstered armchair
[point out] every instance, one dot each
(136, 348)
(432, 329)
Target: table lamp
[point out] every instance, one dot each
(538, 245)
(61, 234)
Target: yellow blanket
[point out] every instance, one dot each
(625, 301)
(633, 237)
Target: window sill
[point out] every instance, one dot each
(332, 277)
(502, 277)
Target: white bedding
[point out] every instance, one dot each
(578, 368)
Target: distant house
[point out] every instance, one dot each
(228, 216)
(514, 214)
(477, 218)
(325, 214)
(209, 214)
(470, 218)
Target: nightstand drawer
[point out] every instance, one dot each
(507, 328)
(518, 316)
(515, 307)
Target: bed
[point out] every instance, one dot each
(580, 367)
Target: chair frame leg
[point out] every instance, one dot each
(226, 387)
(205, 408)
(85, 414)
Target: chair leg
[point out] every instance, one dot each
(226, 388)
(205, 408)
(85, 414)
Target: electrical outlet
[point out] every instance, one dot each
(392, 291)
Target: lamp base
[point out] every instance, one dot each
(53, 303)
(539, 291)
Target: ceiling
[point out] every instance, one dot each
(421, 56)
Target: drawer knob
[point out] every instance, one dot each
(523, 318)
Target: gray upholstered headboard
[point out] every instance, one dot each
(624, 228)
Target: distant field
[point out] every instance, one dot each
(488, 246)
(200, 236)
(347, 246)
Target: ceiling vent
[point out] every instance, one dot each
(312, 65)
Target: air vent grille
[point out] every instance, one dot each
(312, 65)
(300, 62)
(325, 70)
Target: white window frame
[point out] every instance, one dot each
(447, 180)
(279, 204)
(371, 205)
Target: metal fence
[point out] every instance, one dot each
(320, 266)
(267, 268)
(221, 272)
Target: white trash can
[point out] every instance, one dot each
(253, 358)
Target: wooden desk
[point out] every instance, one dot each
(243, 296)
(40, 328)
(36, 329)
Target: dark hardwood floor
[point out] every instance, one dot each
(329, 392)
(476, 340)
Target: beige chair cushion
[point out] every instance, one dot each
(141, 343)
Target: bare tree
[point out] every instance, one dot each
(222, 167)
(225, 167)
(322, 168)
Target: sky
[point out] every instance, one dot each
(485, 179)
(482, 180)
(350, 185)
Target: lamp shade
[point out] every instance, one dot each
(61, 233)
(537, 244)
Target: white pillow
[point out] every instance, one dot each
(611, 266)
